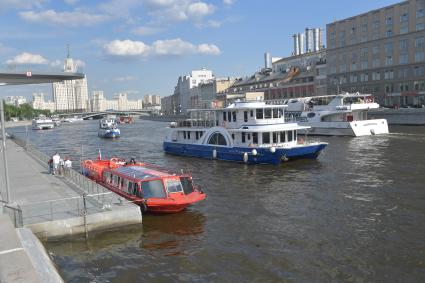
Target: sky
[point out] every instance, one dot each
(142, 46)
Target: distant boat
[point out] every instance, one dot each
(125, 119)
(72, 120)
(108, 129)
(42, 123)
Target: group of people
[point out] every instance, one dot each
(57, 165)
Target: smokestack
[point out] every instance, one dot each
(267, 60)
(309, 34)
(296, 45)
(317, 34)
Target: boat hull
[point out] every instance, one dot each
(354, 128)
(109, 133)
(243, 154)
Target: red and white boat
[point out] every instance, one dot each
(155, 190)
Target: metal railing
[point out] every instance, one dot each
(15, 213)
(92, 196)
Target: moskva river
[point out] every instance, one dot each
(356, 214)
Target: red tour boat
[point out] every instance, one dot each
(154, 189)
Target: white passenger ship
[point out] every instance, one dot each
(337, 115)
(42, 123)
(250, 132)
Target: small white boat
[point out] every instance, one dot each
(173, 125)
(336, 115)
(108, 129)
(42, 123)
(72, 120)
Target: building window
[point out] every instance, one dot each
(343, 68)
(363, 52)
(420, 26)
(388, 74)
(389, 88)
(403, 59)
(376, 76)
(364, 65)
(419, 56)
(419, 85)
(404, 29)
(375, 50)
(404, 18)
(353, 78)
(403, 87)
(389, 48)
(364, 77)
(389, 21)
(419, 71)
(402, 73)
(388, 60)
(353, 66)
(420, 42)
(403, 44)
(364, 28)
(389, 33)
(420, 12)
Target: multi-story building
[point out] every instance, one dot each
(205, 94)
(39, 103)
(186, 83)
(119, 102)
(15, 100)
(152, 100)
(71, 95)
(380, 52)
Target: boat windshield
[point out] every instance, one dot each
(153, 189)
(174, 186)
(187, 185)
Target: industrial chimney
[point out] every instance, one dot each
(267, 61)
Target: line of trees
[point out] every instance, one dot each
(22, 112)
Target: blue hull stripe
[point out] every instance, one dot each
(237, 153)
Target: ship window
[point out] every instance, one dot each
(135, 189)
(188, 135)
(245, 116)
(187, 185)
(249, 137)
(174, 186)
(184, 134)
(282, 137)
(274, 137)
(266, 138)
(251, 113)
(289, 136)
(217, 139)
(259, 113)
(280, 112)
(275, 113)
(243, 137)
(224, 116)
(229, 116)
(255, 137)
(267, 113)
(233, 136)
(197, 135)
(153, 189)
(311, 114)
(234, 116)
(129, 187)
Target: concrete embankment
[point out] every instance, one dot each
(402, 116)
(11, 124)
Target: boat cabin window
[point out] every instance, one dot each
(224, 116)
(184, 134)
(234, 116)
(251, 113)
(233, 136)
(174, 186)
(255, 137)
(282, 137)
(267, 113)
(229, 116)
(259, 113)
(188, 135)
(266, 138)
(217, 139)
(249, 137)
(197, 135)
(289, 136)
(245, 116)
(275, 113)
(243, 137)
(274, 137)
(107, 177)
(153, 189)
(187, 185)
(311, 114)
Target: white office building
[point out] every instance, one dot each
(39, 103)
(119, 102)
(72, 95)
(186, 83)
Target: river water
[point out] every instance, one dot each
(356, 214)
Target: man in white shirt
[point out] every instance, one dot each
(67, 165)
(56, 158)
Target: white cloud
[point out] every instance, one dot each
(27, 58)
(199, 10)
(229, 2)
(145, 30)
(79, 63)
(74, 18)
(126, 48)
(56, 63)
(168, 47)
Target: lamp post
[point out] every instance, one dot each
(6, 169)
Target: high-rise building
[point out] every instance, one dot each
(39, 103)
(119, 102)
(71, 95)
(380, 52)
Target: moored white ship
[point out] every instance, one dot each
(250, 132)
(42, 123)
(337, 115)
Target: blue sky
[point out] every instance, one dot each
(142, 46)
